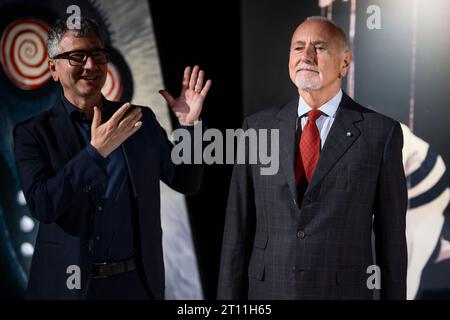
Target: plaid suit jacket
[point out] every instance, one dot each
(275, 247)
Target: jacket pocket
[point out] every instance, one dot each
(256, 268)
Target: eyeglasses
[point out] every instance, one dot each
(78, 58)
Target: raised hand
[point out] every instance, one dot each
(105, 138)
(188, 106)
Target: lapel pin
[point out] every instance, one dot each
(349, 134)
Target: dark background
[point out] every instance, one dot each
(207, 33)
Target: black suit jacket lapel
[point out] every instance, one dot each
(287, 118)
(131, 156)
(342, 135)
(64, 130)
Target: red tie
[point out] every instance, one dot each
(309, 147)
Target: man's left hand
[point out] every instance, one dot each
(188, 106)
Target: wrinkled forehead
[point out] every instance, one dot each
(316, 31)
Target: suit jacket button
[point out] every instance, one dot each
(87, 188)
(300, 234)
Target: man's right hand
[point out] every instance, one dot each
(106, 137)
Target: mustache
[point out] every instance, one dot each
(306, 66)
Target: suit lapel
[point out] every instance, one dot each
(342, 135)
(287, 118)
(65, 131)
(128, 151)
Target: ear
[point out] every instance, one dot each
(346, 62)
(52, 68)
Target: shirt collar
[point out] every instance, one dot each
(329, 108)
(75, 113)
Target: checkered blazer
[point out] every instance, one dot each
(277, 247)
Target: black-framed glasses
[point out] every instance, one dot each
(78, 58)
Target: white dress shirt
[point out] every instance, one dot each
(325, 121)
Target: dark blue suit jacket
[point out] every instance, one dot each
(60, 182)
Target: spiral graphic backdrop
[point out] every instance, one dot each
(24, 54)
(113, 87)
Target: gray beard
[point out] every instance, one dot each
(308, 84)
